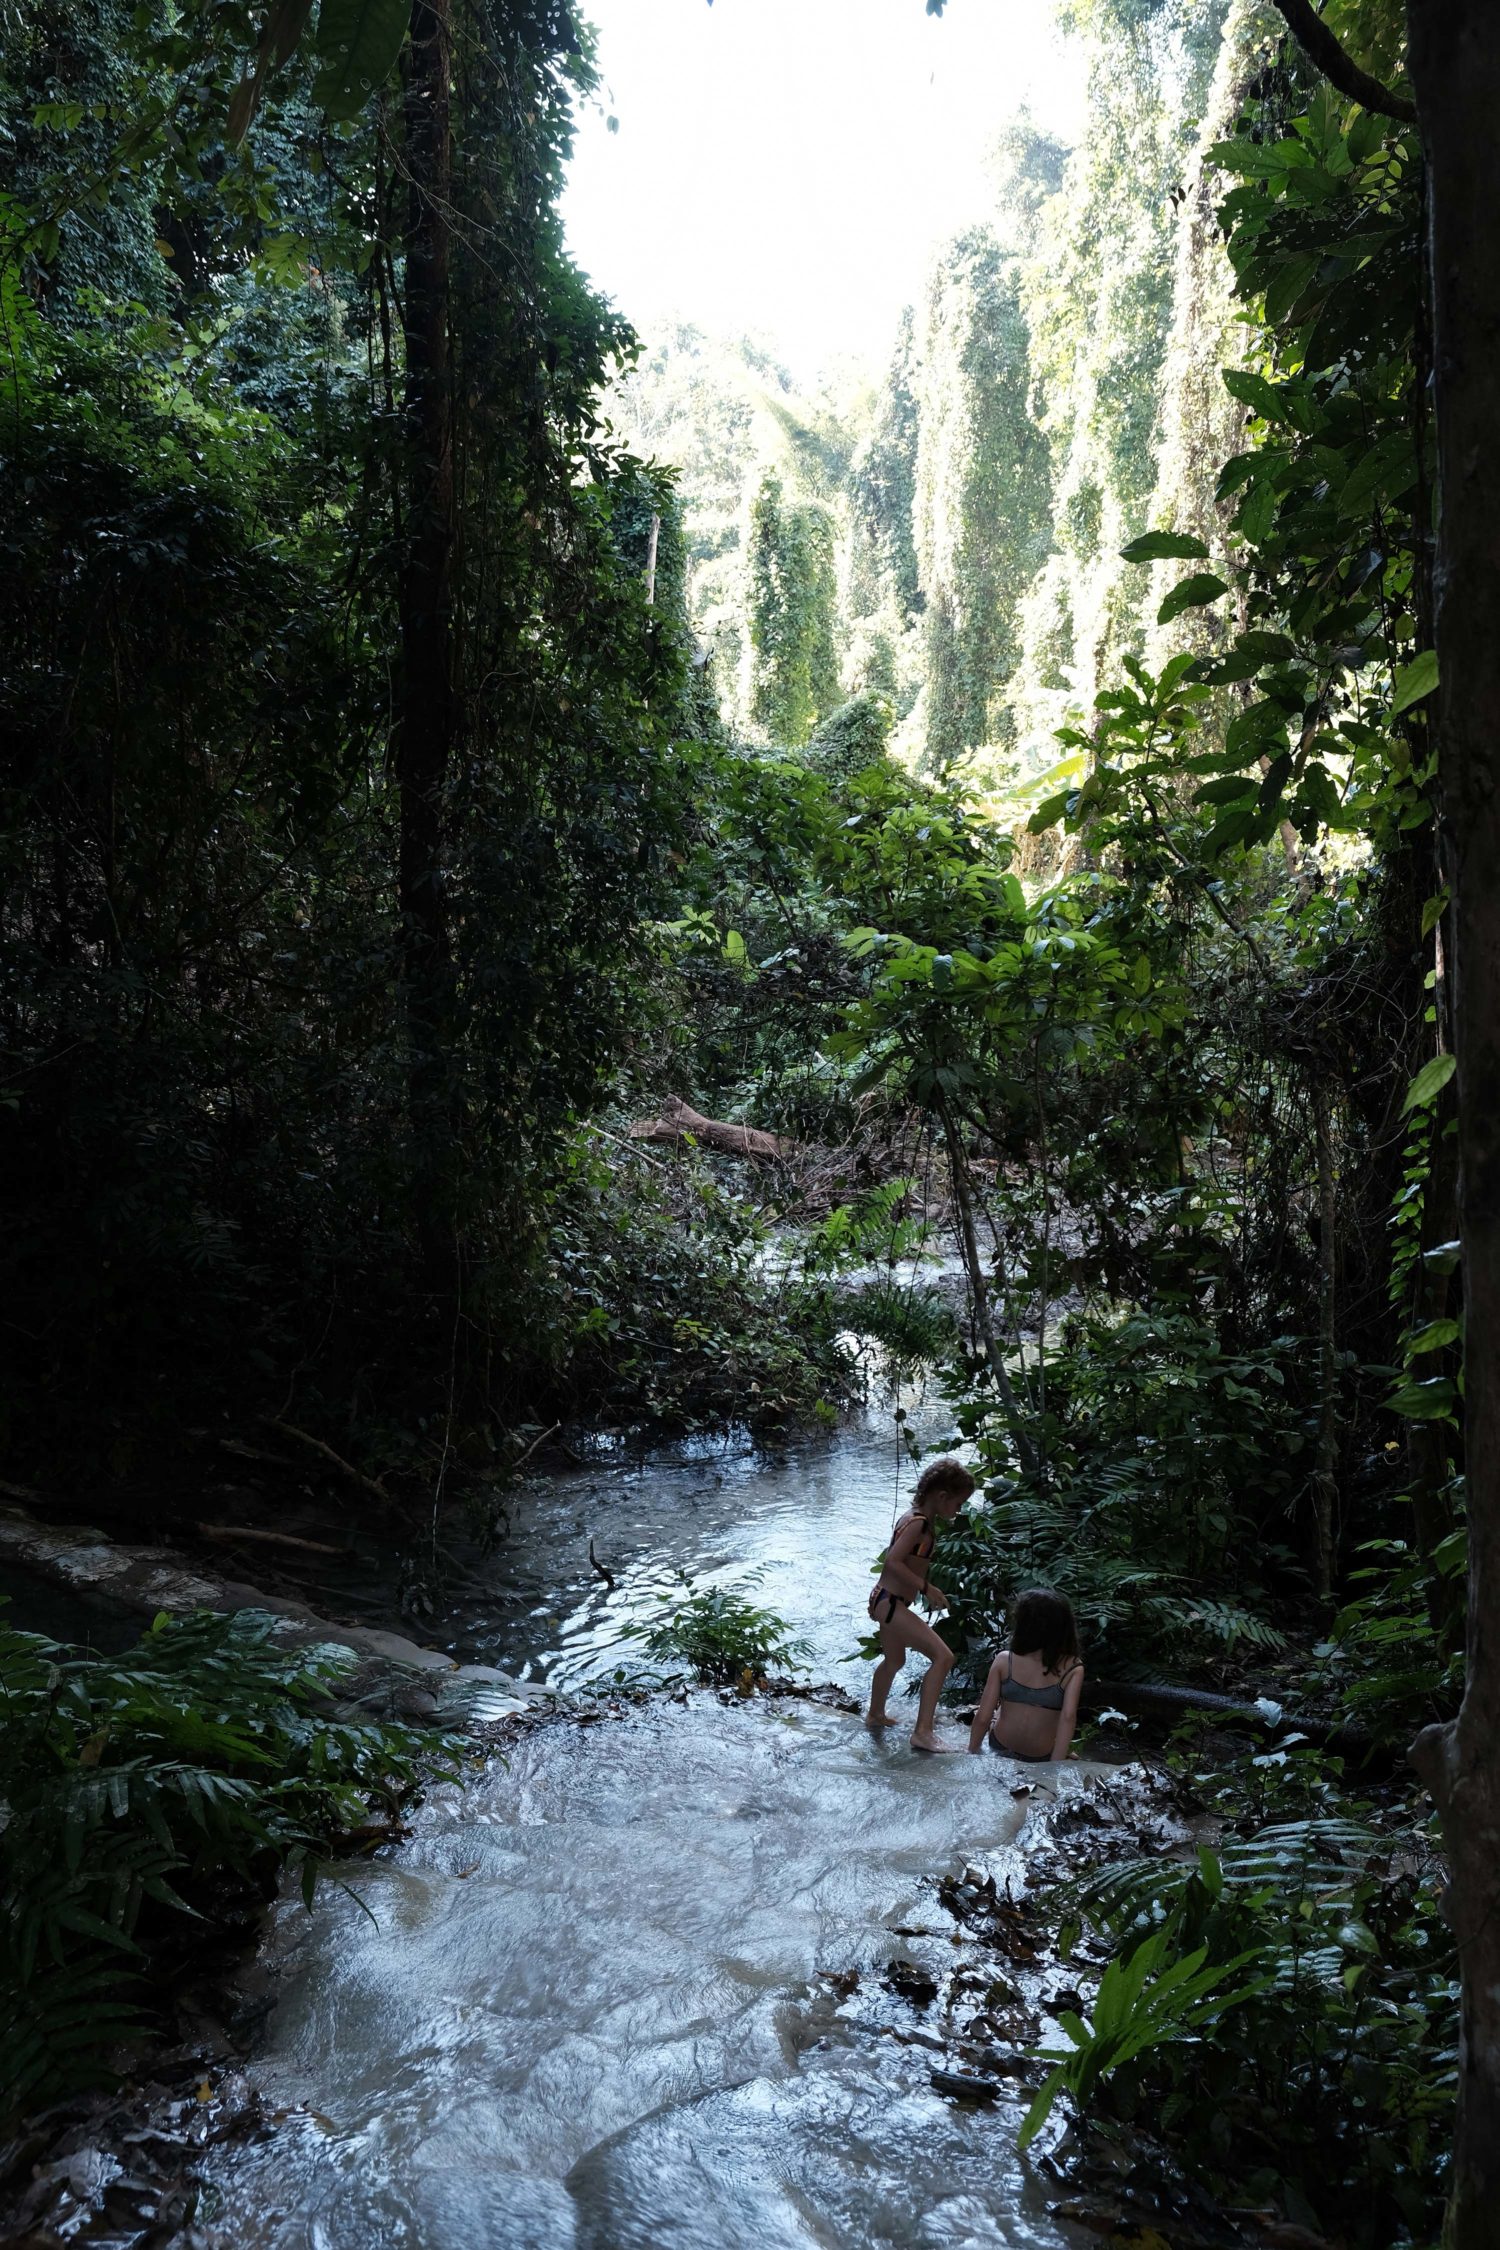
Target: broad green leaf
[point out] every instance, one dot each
(1231, 827)
(1164, 546)
(1423, 1402)
(1289, 283)
(1271, 648)
(1429, 1082)
(1273, 402)
(1257, 512)
(357, 44)
(1386, 470)
(1050, 811)
(1225, 670)
(1433, 912)
(1255, 731)
(1235, 789)
(1417, 680)
(1192, 593)
(1435, 1337)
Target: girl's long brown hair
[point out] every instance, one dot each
(1044, 1626)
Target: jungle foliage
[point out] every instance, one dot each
(378, 842)
(1280, 2003)
(345, 762)
(152, 1799)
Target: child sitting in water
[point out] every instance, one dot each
(1030, 1703)
(942, 1489)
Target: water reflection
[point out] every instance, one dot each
(807, 1519)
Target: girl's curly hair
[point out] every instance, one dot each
(946, 1475)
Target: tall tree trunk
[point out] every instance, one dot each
(1430, 1446)
(427, 711)
(1325, 1466)
(979, 1289)
(1455, 69)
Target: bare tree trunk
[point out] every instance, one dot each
(651, 561)
(1325, 1478)
(1455, 69)
(979, 1290)
(426, 711)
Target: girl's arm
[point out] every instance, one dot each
(1067, 1718)
(984, 1717)
(895, 1569)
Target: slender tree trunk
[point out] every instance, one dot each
(1455, 69)
(427, 712)
(651, 561)
(1325, 1466)
(1430, 1445)
(979, 1290)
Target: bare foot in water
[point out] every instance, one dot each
(876, 1719)
(930, 1744)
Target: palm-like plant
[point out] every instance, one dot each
(136, 1789)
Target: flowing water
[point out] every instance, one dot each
(799, 1526)
(591, 2004)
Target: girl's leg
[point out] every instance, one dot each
(922, 1734)
(907, 1632)
(892, 1657)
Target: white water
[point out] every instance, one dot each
(591, 2010)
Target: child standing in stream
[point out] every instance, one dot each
(942, 1489)
(1030, 1703)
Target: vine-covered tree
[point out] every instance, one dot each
(982, 492)
(791, 611)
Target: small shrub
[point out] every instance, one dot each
(720, 1635)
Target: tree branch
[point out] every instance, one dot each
(1338, 66)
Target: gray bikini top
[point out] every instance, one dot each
(1045, 1698)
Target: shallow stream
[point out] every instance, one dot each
(628, 1991)
(799, 1525)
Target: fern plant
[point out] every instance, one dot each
(139, 1789)
(720, 1634)
(1337, 2049)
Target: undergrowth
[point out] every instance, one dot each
(1157, 1457)
(1280, 2005)
(149, 1795)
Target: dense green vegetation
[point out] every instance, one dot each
(1049, 833)
(152, 1800)
(1169, 1017)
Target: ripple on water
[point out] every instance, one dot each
(807, 1520)
(588, 2009)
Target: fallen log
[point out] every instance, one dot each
(679, 1122)
(233, 1534)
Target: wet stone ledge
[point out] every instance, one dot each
(106, 1583)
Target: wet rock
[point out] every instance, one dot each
(912, 1983)
(965, 2087)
